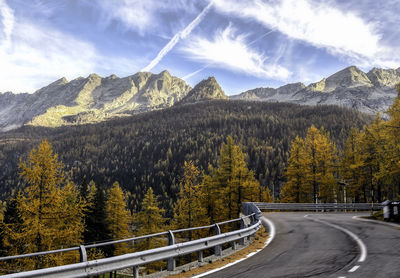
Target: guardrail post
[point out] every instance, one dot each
(234, 247)
(252, 221)
(135, 272)
(200, 257)
(242, 226)
(82, 253)
(171, 263)
(218, 248)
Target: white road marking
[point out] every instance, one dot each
(359, 218)
(354, 268)
(271, 228)
(342, 277)
(363, 248)
(305, 215)
(272, 231)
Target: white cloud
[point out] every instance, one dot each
(32, 56)
(320, 24)
(37, 56)
(176, 38)
(231, 52)
(143, 16)
(7, 24)
(134, 14)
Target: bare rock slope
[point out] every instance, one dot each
(91, 99)
(207, 89)
(351, 87)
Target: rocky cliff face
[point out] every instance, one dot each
(91, 99)
(351, 87)
(207, 89)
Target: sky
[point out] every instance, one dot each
(244, 44)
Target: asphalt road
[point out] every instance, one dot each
(321, 245)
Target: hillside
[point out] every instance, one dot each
(149, 149)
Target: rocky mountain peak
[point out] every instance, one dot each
(370, 92)
(91, 99)
(94, 76)
(347, 78)
(164, 73)
(207, 89)
(291, 88)
(58, 82)
(112, 77)
(384, 77)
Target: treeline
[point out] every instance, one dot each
(52, 212)
(367, 169)
(148, 150)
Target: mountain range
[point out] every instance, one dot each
(95, 99)
(369, 92)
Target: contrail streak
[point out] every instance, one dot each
(178, 36)
(187, 76)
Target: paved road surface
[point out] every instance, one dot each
(318, 246)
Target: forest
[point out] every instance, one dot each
(184, 167)
(366, 169)
(149, 150)
(52, 212)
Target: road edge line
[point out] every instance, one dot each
(271, 236)
(360, 218)
(361, 245)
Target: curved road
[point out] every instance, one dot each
(320, 245)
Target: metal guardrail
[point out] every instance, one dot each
(134, 260)
(319, 207)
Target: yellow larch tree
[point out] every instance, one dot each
(232, 183)
(51, 213)
(189, 209)
(293, 190)
(149, 220)
(118, 217)
(311, 169)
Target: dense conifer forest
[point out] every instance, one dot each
(149, 150)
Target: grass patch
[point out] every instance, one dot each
(378, 215)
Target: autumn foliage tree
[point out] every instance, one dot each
(311, 169)
(149, 220)
(50, 210)
(118, 217)
(230, 184)
(189, 210)
(293, 191)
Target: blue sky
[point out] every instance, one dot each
(244, 44)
